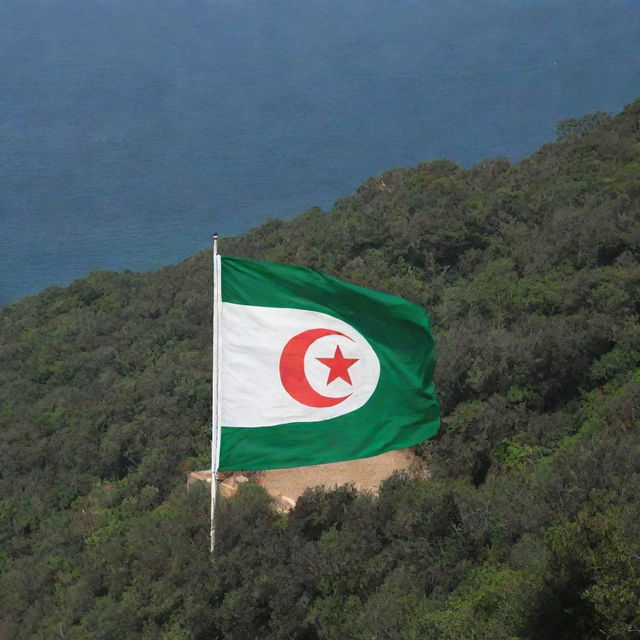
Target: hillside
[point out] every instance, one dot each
(530, 524)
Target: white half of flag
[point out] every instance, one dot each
(282, 365)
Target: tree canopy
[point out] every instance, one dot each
(530, 524)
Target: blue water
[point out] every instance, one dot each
(132, 129)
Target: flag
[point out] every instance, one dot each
(313, 369)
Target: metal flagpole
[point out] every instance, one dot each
(215, 389)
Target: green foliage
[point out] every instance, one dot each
(529, 524)
(580, 126)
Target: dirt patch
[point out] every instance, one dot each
(366, 474)
(285, 486)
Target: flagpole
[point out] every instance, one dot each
(215, 390)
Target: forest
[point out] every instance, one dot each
(529, 526)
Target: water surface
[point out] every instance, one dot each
(132, 129)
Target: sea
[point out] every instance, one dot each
(131, 130)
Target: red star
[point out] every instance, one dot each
(339, 366)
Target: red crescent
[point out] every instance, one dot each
(292, 372)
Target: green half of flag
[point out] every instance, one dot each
(316, 370)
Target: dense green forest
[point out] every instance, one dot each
(530, 524)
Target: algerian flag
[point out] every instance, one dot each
(313, 369)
